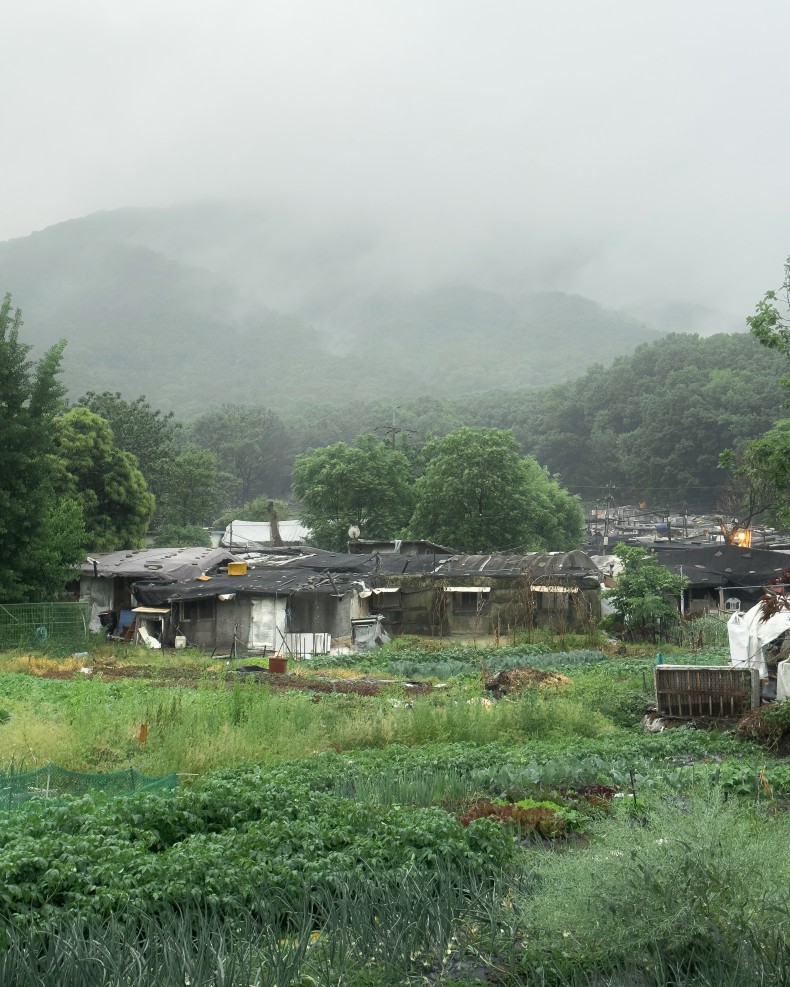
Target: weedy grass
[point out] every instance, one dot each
(88, 724)
(694, 885)
(318, 840)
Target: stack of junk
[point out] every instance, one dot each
(764, 645)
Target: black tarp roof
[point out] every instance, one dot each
(314, 570)
(256, 582)
(720, 564)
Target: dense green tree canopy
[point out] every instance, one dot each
(762, 476)
(366, 484)
(61, 544)
(39, 538)
(91, 469)
(652, 424)
(193, 490)
(760, 469)
(150, 435)
(478, 494)
(251, 444)
(646, 595)
(181, 536)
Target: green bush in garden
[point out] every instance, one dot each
(698, 880)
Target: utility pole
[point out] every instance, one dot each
(393, 431)
(682, 596)
(606, 516)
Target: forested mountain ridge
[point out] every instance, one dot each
(197, 305)
(652, 424)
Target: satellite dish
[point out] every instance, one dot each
(353, 532)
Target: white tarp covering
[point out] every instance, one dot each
(253, 535)
(749, 634)
(267, 623)
(467, 589)
(99, 593)
(783, 679)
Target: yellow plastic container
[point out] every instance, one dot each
(237, 568)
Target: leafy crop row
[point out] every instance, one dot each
(230, 842)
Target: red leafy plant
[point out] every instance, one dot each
(545, 822)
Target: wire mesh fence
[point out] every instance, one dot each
(47, 627)
(52, 783)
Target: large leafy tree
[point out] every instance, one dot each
(645, 595)
(150, 435)
(61, 544)
(771, 320)
(252, 444)
(479, 494)
(39, 538)
(91, 469)
(193, 490)
(760, 469)
(366, 484)
(759, 479)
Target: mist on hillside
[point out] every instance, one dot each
(626, 154)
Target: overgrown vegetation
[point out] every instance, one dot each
(412, 836)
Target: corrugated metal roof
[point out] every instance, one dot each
(537, 565)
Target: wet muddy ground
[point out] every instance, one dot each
(187, 676)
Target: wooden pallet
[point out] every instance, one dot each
(690, 691)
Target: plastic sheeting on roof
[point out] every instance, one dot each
(258, 534)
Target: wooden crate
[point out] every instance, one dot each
(704, 690)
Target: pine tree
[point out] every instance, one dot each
(30, 396)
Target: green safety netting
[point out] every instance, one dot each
(48, 627)
(52, 783)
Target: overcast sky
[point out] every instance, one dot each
(623, 149)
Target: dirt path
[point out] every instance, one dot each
(183, 676)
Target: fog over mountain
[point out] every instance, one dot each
(196, 306)
(627, 153)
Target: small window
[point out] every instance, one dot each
(470, 603)
(200, 609)
(380, 602)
